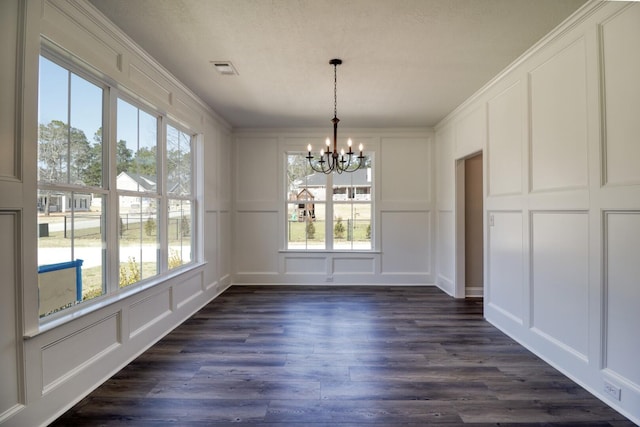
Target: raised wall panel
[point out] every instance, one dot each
(151, 84)
(406, 240)
(185, 111)
(256, 240)
(187, 290)
(560, 282)
(505, 142)
(622, 294)
(10, 367)
(257, 170)
(445, 251)
(64, 24)
(353, 265)
(621, 52)
(224, 164)
(314, 265)
(69, 355)
(559, 121)
(406, 177)
(225, 244)
(8, 83)
(445, 168)
(470, 134)
(211, 242)
(505, 261)
(149, 310)
(210, 168)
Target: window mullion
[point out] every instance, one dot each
(111, 253)
(163, 209)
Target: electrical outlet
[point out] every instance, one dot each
(329, 279)
(612, 390)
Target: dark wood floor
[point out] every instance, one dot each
(338, 356)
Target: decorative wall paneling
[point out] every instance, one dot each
(10, 33)
(403, 227)
(621, 272)
(558, 111)
(11, 369)
(560, 279)
(45, 368)
(563, 201)
(620, 56)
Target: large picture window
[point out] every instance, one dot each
(328, 212)
(136, 184)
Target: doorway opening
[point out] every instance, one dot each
(469, 227)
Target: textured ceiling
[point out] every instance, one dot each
(407, 63)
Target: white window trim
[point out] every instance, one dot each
(112, 291)
(328, 202)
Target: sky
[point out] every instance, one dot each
(58, 86)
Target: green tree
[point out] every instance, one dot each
(145, 161)
(297, 169)
(124, 157)
(63, 156)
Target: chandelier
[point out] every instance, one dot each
(334, 161)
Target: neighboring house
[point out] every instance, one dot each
(135, 182)
(305, 210)
(346, 186)
(129, 181)
(61, 202)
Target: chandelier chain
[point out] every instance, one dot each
(335, 90)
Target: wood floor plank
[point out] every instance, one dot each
(285, 356)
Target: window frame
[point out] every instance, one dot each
(110, 194)
(329, 204)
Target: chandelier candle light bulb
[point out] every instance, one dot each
(336, 162)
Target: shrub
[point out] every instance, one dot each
(185, 228)
(129, 272)
(369, 231)
(175, 260)
(311, 230)
(338, 229)
(91, 293)
(150, 227)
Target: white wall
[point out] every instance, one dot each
(44, 369)
(560, 131)
(403, 205)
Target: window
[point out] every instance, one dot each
(138, 193)
(137, 183)
(331, 211)
(71, 195)
(180, 196)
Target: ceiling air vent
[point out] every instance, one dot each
(224, 67)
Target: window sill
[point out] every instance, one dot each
(86, 308)
(330, 251)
